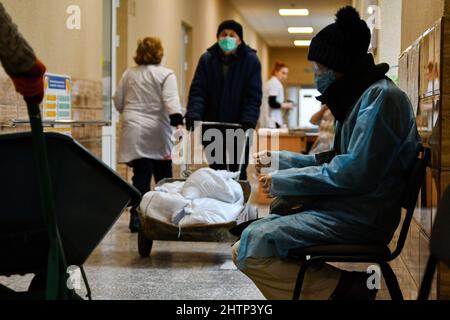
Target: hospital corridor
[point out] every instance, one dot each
(214, 158)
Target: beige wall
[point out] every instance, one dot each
(389, 34)
(402, 19)
(418, 16)
(74, 52)
(300, 71)
(77, 53)
(164, 19)
(361, 6)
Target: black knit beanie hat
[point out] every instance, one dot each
(232, 25)
(342, 43)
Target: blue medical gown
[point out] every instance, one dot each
(360, 190)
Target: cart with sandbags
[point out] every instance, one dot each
(155, 228)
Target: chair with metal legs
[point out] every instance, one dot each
(363, 253)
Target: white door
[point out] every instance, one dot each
(294, 97)
(110, 42)
(186, 56)
(309, 105)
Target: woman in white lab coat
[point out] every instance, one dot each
(148, 99)
(274, 100)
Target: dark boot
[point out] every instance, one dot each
(135, 223)
(353, 286)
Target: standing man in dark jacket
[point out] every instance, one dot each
(227, 88)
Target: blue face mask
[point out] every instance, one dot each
(228, 44)
(324, 80)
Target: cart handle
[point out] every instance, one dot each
(186, 173)
(57, 265)
(223, 124)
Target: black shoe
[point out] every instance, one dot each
(353, 286)
(135, 223)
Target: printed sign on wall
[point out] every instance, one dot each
(57, 101)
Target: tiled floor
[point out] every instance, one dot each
(174, 271)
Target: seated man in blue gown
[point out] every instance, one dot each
(347, 196)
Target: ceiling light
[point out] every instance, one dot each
(302, 43)
(303, 30)
(294, 12)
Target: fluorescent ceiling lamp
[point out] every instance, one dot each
(304, 30)
(302, 43)
(294, 12)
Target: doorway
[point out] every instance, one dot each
(109, 75)
(309, 106)
(186, 64)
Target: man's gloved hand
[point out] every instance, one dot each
(190, 124)
(248, 126)
(30, 84)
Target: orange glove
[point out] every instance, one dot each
(30, 84)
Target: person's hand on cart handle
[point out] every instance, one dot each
(248, 126)
(178, 134)
(262, 160)
(30, 84)
(287, 106)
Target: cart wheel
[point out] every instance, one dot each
(144, 244)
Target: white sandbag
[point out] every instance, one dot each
(218, 185)
(172, 187)
(162, 206)
(210, 212)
